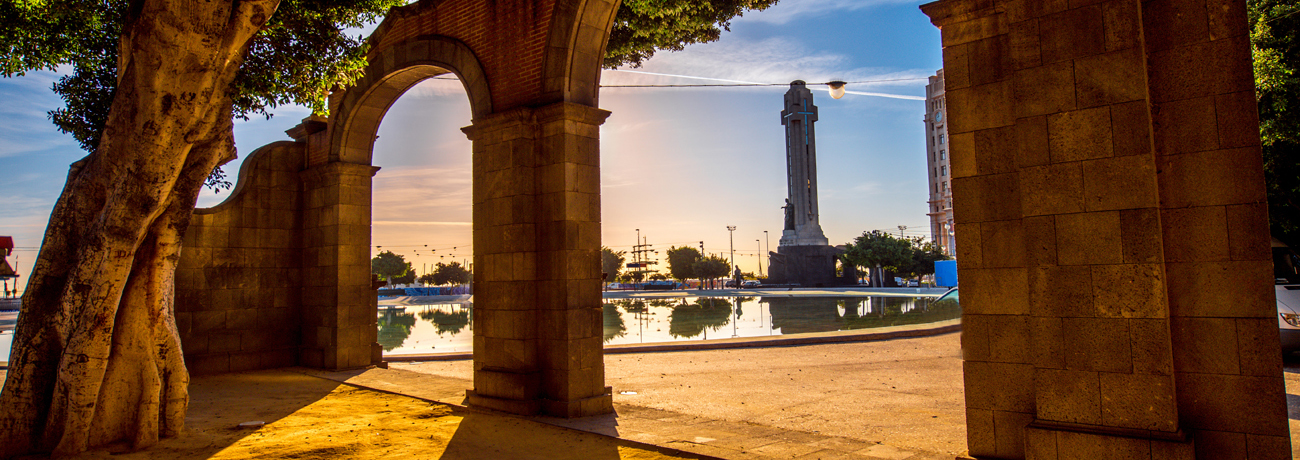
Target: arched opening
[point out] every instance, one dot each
(420, 210)
(421, 214)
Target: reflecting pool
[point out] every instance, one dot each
(444, 328)
(448, 327)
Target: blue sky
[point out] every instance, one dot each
(680, 164)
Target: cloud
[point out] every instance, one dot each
(868, 188)
(396, 222)
(787, 10)
(774, 60)
(440, 86)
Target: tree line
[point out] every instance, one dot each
(396, 270)
(875, 250)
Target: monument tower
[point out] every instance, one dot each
(803, 256)
(802, 226)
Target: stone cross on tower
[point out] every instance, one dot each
(803, 227)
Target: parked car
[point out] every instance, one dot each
(750, 284)
(1286, 285)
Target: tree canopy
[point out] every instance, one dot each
(879, 249)
(611, 263)
(301, 52)
(711, 268)
(924, 255)
(904, 256)
(1275, 44)
(681, 262)
(389, 266)
(452, 273)
(642, 27)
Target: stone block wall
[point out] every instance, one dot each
(239, 279)
(339, 322)
(1109, 202)
(538, 344)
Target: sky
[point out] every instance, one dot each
(677, 164)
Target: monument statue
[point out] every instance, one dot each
(789, 214)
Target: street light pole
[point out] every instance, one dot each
(767, 243)
(760, 257)
(732, 230)
(701, 258)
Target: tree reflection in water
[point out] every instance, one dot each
(614, 327)
(691, 319)
(795, 315)
(394, 327)
(448, 322)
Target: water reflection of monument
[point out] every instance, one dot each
(798, 315)
(803, 256)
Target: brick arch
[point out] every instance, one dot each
(391, 72)
(575, 50)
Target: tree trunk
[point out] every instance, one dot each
(96, 356)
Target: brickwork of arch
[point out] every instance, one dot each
(356, 116)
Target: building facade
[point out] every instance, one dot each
(936, 149)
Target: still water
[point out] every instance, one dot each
(446, 328)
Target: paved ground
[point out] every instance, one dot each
(303, 417)
(897, 399)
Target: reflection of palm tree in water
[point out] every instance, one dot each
(690, 319)
(394, 328)
(614, 327)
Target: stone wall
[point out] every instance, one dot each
(1113, 239)
(239, 280)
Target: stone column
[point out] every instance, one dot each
(537, 313)
(339, 324)
(1112, 236)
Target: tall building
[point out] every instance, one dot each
(940, 168)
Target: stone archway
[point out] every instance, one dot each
(531, 69)
(532, 83)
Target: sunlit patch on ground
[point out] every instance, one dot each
(310, 418)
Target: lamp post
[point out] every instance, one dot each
(760, 257)
(731, 229)
(767, 243)
(701, 258)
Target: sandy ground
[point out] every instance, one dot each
(903, 393)
(312, 418)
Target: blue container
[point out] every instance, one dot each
(945, 273)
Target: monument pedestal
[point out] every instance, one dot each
(809, 266)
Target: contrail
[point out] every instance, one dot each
(742, 82)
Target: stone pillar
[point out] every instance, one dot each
(1113, 239)
(339, 324)
(537, 312)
